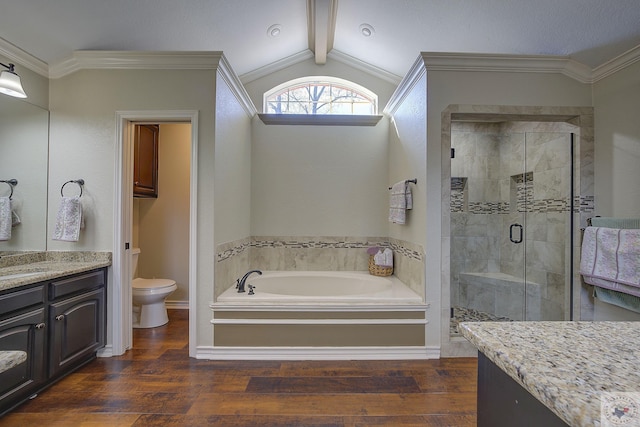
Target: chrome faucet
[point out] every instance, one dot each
(240, 282)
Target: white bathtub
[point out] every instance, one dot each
(337, 287)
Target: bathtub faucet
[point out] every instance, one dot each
(240, 282)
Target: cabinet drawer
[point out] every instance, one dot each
(76, 284)
(24, 298)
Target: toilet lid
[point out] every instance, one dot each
(140, 283)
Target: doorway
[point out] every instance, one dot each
(511, 212)
(121, 305)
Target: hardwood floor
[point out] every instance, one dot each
(157, 384)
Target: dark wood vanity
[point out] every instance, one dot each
(58, 324)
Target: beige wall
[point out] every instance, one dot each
(163, 223)
(82, 141)
(319, 180)
(617, 148)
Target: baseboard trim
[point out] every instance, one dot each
(177, 305)
(317, 353)
(106, 351)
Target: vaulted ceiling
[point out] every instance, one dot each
(387, 34)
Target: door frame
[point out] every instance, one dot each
(121, 304)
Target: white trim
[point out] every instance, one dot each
(106, 351)
(616, 64)
(318, 353)
(438, 61)
(414, 75)
(349, 308)
(234, 83)
(319, 119)
(18, 56)
(177, 305)
(135, 60)
(319, 321)
(358, 64)
(121, 316)
(276, 66)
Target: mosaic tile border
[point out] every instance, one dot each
(310, 243)
(583, 204)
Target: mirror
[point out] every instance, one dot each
(24, 142)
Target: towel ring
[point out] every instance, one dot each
(11, 183)
(80, 183)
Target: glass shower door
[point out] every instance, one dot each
(510, 222)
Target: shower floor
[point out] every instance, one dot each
(464, 314)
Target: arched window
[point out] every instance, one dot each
(320, 95)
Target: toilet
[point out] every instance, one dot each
(148, 297)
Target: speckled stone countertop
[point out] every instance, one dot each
(33, 267)
(565, 365)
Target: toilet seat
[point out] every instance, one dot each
(151, 284)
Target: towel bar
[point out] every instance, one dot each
(11, 183)
(80, 183)
(414, 181)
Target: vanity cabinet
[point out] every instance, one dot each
(22, 344)
(47, 330)
(77, 319)
(145, 161)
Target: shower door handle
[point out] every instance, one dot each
(519, 239)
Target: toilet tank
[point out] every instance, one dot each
(134, 261)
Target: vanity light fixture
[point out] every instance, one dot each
(10, 82)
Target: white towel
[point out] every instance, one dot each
(69, 220)
(383, 258)
(400, 200)
(6, 218)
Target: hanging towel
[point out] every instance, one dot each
(610, 258)
(69, 220)
(400, 200)
(5, 218)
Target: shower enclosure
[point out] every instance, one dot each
(511, 205)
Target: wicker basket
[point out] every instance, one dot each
(377, 270)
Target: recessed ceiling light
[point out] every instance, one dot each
(274, 30)
(367, 30)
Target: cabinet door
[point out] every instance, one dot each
(77, 330)
(145, 161)
(22, 357)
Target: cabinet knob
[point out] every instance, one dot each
(60, 317)
(40, 326)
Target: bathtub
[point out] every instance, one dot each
(337, 287)
(320, 315)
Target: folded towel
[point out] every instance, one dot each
(69, 220)
(400, 200)
(384, 258)
(5, 218)
(611, 254)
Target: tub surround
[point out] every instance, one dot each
(564, 365)
(303, 253)
(36, 267)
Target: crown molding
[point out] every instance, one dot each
(236, 86)
(436, 61)
(616, 64)
(18, 56)
(343, 58)
(135, 60)
(276, 66)
(416, 72)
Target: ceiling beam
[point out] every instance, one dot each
(321, 27)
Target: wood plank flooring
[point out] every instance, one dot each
(157, 384)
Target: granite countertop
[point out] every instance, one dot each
(20, 270)
(565, 365)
